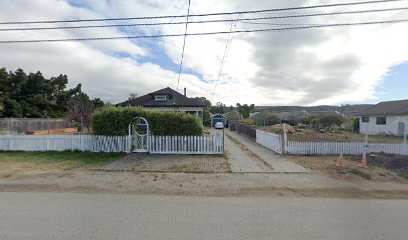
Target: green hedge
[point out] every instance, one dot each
(115, 120)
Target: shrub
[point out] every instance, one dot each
(334, 128)
(207, 118)
(233, 116)
(324, 121)
(115, 121)
(266, 118)
(356, 125)
(248, 121)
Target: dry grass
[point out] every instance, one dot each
(326, 165)
(52, 161)
(310, 135)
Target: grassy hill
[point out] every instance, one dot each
(350, 110)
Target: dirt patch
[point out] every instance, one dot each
(326, 165)
(192, 186)
(175, 163)
(393, 162)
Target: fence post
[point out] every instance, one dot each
(366, 140)
(48, 143)
(11, 143)
(284, 139)
(129, 143)
(80, 141)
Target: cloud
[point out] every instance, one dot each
(316, 66)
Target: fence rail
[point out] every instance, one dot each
(347, 148)
(186, 144)
(269, 140)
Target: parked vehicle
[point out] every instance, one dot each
(219, 125)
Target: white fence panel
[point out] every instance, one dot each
(186, 144)
(157, 144)
(347, 148)
(269, 140)
(65, 142)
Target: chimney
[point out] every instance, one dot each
(185, 92)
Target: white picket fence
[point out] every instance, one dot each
(269, 140)
(347, 148)
(65, 143)
(274, 142)
(186, 144)
(93, 143)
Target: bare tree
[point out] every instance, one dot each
(133, 96)
(80, 109)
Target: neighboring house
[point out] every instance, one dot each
(385, 118)
(167, 99)
(218, 117)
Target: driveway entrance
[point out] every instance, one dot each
(245, 155)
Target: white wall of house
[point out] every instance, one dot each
(391, 127)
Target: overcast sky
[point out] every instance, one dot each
(305, 67)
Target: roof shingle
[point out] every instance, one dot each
(399, 107)
(175, 100)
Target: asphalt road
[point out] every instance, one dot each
(103, 216)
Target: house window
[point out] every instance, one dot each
(381, 120)
(160, 98)
(365, 119)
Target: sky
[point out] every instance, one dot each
(343, 65)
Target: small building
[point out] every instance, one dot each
(390, 118)
(218, 117)
(167, 99)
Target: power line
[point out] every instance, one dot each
(226, 51)
(208, 33)
(205, 14)
(184, 45)
(205, 21)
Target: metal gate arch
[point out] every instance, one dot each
(139, 135)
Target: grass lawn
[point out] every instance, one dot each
(55, 160)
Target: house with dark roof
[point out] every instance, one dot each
(389, 118)
(167, 99)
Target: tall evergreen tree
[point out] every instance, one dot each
(34, 96)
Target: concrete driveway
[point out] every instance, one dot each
(245, 155)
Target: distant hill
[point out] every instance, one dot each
(349, 110)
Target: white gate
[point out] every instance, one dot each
(139, 134)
